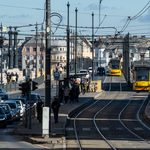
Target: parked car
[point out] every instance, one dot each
(100, 70)
(21, 106)
(2, 90)
(86, 76)
(4, 96)
(14, 108)
(22, 99)
(3, 118)
(8, 112)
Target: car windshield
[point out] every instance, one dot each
(4, 97)
(100, 69)
(33, 98)
(83, 71)
(142, 75)
(18, 103)
(12, 105)
(1, 111)
(5, 107)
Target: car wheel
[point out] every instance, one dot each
(5, 125)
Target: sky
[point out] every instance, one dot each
(111, 16)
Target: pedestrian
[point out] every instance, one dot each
(17, 76)
(8, 77)
(71, 95)
(61, 94)
(55, 107)
(87, 85)
(39, 110)
(66, 94)
(77, 92)
(13, 77)
(83, 87)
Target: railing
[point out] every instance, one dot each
(27, 112)
(13, 86)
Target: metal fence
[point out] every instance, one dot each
(13, 86)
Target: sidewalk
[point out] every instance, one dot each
(34, 135)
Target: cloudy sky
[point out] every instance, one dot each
(112, 16)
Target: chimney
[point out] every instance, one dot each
(134, 36)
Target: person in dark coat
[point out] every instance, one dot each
(77, 92)
(55, 106)
(39, 110)
(17, 76)
(71, 94)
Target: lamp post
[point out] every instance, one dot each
(1, 46)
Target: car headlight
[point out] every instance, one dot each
(2, 118)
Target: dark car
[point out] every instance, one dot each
(3, 118)
(4, 96)
(100, 70)
(2, 90)
(8, 112)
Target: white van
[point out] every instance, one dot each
(90, 69)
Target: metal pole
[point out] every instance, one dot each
(15, 49)
(76, 44)
(68, 44)
(41, 50)
(48, 62)
(29, 80)
(1, 57)
(36, 39)
(10, 49)
(92, 46)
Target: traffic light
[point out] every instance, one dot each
(24, 87)
(34, 87)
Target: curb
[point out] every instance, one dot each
(44, 141)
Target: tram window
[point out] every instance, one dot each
(115, 67)
(142, 75)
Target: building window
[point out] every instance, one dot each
(34, 49)
(57, 57)
(78, 49)
(27, 57)
(35, 57)
(86, 50)
(63, 57)
(56, 49)
(27, 49)
(60, 57)
(60, 49)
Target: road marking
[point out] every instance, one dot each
(69, 129)
(105, 128)
(139, 96)
(138, 128)
(86, 129)
(119, 128)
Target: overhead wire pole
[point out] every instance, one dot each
(76, 44)
(68, 45)
(92, 46)
(48, 62)
(36, 39)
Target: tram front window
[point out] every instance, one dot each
(115, 66)
(142, 75)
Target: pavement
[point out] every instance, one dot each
(57, 133)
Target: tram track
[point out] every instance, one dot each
(103, 120)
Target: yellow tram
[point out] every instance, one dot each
(115, 67)
(141, 76)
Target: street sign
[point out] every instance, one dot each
(56, 74)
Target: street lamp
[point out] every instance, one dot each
(1, 46)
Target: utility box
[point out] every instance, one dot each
(45, 122)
